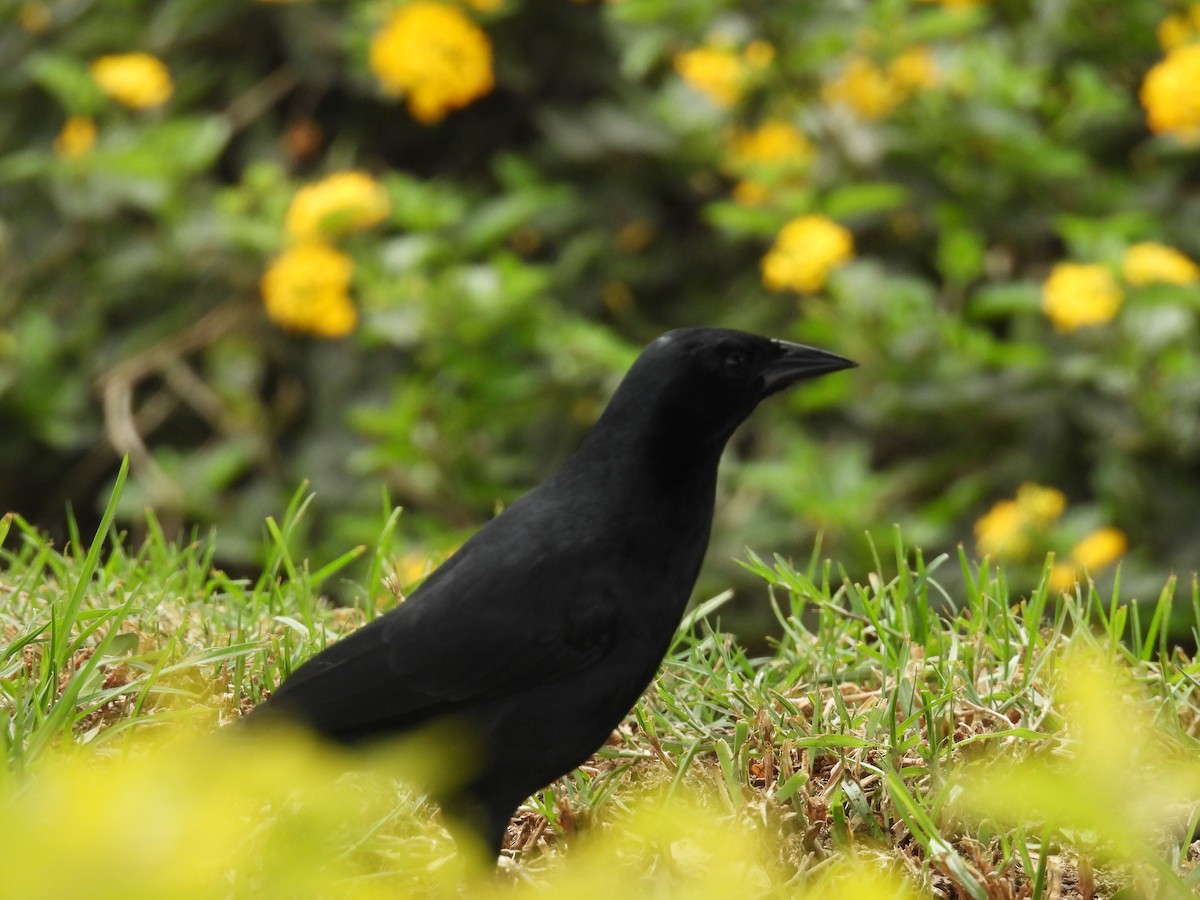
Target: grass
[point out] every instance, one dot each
(900, 740)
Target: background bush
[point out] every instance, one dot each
(611, 182)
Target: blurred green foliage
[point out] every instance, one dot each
(537, 236)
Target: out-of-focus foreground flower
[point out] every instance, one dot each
(1115, 781)
(277, 815)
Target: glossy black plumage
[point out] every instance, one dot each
(544, 628)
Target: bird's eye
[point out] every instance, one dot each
(735, 362)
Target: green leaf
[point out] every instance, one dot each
(170, 149)
(865, 199)
(960, 254)
(67, 79)
(996, 301)
(825, 741)
(125, 644)
(425, 206)
(789, 788)
(743, 220)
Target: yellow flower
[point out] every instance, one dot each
(1062, 577)
(306, 288)
(137, 80)
(339, 204)
(1008, 527)
(805, 252)
(1101, 548)
(1002, 531)
(1042, 505)
(412, 567)
(77, 138)
(769, 153)
(1170, 96)
(1180, 28)
(759, 54)
(865, 88)
(1078, 294)
(715, 72)
(913, 69)
(774, 141)
(748, 192)
(1150, 263)
(1174, 31)
(434, 56)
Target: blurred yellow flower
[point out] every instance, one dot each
(1179, 28)
(865, 88)
(759, 54)
(434, 56)
(773, 141)
(957, 4)
(1116, 783)
(874, 92)
(749, 192)
(413, 567)
(913, 69)
(339, 204)
(1079, 294)
(715, 72)
(136, 80)
(77, 138)
(1062, 577)
(1150, 263)
(1170, 95)
(806, 251)
(1101, 548)
(1041, 505)
(1173, 31)
(306, 288)
(1007, 529)
(768, 153)
(1096, 551)
(1001, 531)
(485, 5)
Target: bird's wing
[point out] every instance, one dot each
(483, 625)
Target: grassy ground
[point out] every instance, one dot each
(898, 742)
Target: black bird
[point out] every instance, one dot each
(542, 631)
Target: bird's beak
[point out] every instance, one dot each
(796, 362)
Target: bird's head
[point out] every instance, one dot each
(705, 381)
